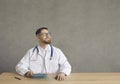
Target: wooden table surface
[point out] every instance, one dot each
(73, 78)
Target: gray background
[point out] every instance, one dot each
(87, 31)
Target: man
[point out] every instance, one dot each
(44, 58)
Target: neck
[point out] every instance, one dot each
(43, 45)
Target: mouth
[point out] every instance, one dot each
(47, 38)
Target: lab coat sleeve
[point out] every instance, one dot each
(23, 66)
(65, 67)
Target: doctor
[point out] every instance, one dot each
(44, 58)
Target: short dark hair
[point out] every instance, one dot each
(40, 29)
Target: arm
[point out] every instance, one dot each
(65, 67)
(23, 66)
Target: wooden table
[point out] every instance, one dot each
(74, 78)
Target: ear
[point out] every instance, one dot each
(37, 37)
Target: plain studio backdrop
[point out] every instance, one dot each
(87, 31)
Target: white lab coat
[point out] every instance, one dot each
(41, 63)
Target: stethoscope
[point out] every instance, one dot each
(51, 54)
(37, 51)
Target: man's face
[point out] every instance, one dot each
(44, 37)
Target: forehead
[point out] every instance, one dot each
(44, 31)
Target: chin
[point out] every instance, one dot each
(47, 42)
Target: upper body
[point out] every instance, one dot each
(44, 58)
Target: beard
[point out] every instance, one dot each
(47, 41)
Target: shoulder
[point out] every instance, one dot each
(31, 50)
(58, 52)
(56, 49)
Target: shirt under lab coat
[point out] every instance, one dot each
(40, 62)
